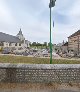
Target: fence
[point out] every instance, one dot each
(40, 73)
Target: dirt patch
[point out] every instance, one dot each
(32, 87)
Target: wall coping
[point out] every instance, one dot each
(39, 66)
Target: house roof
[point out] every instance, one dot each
(65, 44)
(8, 38)
(75, 34)
(26, 41)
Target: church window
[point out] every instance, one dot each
(1, 44)
(16, 44)
(19, 44)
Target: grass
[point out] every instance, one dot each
(40, 47)
(33, 60)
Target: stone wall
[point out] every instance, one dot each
(73, 44)
(40, 73)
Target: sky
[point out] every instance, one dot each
(32, 16)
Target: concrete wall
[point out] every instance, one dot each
(39, 73)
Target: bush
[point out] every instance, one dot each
(1, 49)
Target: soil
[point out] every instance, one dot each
(13, 87)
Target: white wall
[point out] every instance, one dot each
(23, 45)
(12, 44)
(6, 44)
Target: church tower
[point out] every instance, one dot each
(20, 36)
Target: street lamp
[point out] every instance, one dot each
(51, 4)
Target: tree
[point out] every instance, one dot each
(45, 44)
(34, 44)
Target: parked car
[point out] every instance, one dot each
(71, 54)
(25, 53)
(6, 51)
(18, 53)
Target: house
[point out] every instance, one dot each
(58, 47)
(74, 43)
(11, 41)
(65, 48)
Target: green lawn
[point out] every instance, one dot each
(33, 60)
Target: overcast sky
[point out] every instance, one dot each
(33, 17)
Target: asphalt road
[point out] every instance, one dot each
(19, 90)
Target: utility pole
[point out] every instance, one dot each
(51, 4)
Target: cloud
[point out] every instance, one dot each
(6, 19)
(33, 17)
(66, 17)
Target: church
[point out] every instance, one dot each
(11, 41)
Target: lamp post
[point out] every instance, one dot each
(51, 4)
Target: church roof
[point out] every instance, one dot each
(8, 38)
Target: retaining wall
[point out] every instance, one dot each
(40, 73)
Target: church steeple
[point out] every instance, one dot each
(20, 35)
(20, 29)
(20, 32)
